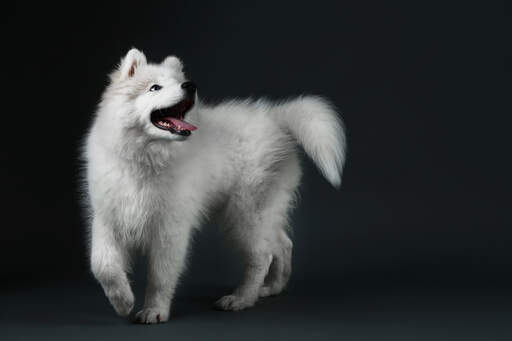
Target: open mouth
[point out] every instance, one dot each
(171, 118)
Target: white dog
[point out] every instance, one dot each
(152, 178)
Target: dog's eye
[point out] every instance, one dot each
(155, 87)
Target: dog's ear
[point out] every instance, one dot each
(173, 62)
(129, 64)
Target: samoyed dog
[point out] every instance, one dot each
(158, 162)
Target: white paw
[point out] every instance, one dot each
(121, 298)
(152, 315)
(234, 303)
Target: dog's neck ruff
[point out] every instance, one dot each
(146, 157)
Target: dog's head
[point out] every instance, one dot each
(152, 99)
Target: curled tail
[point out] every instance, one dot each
(314, 123)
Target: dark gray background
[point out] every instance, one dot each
(416, 244)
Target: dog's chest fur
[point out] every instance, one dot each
(134, 203)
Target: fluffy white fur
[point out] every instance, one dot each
(150, 188)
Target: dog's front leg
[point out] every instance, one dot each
(167, 252)
(109, 261)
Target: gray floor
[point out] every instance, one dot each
(78, 311)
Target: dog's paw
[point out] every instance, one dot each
(151, 316)
(234, 303)
(121, 298)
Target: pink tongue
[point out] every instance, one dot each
(181, 125)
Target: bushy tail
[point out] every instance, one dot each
(314, 123)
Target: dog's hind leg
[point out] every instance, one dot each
(258, 257)
(281, 267)
(258, 232)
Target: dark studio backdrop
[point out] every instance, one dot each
(425, 202)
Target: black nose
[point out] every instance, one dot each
(190, 87)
